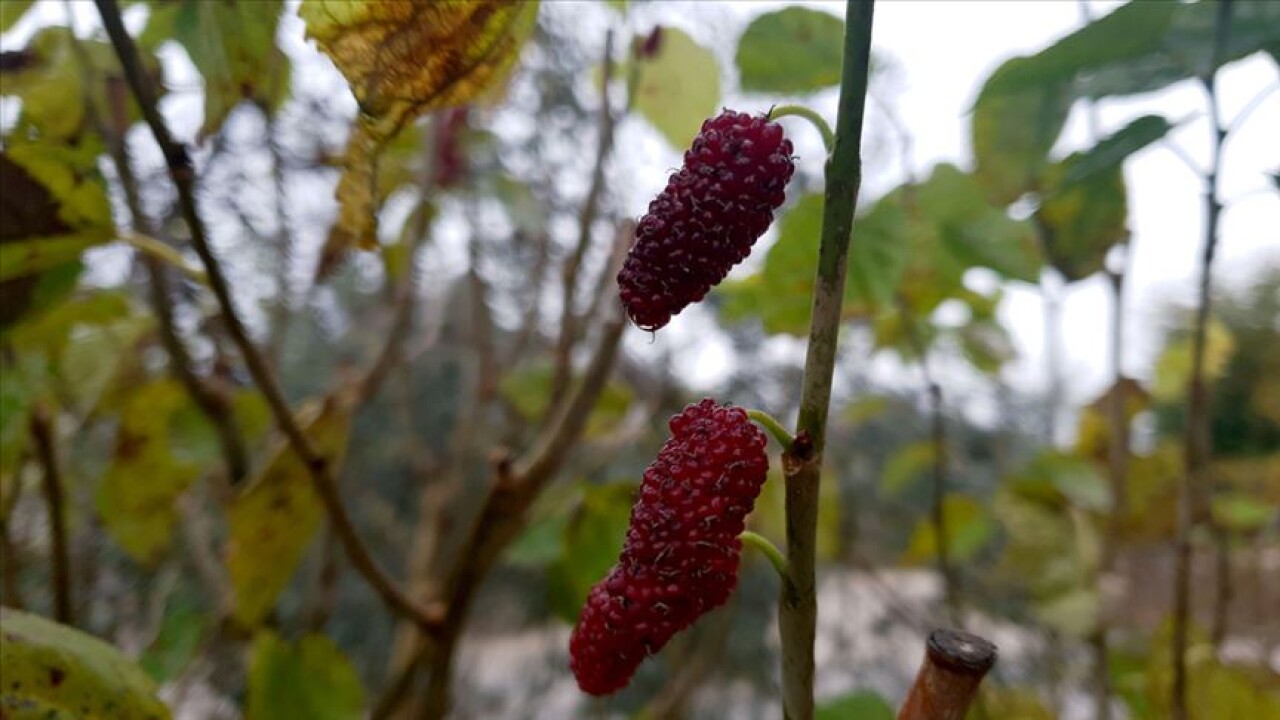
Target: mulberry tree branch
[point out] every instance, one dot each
(183, 177)
(797, 607)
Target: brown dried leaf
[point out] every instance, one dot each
(403, 58)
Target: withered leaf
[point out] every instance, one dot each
(403, 58)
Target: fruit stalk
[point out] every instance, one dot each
(797, 606)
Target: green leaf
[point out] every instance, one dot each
(590, 546)
(51, 81)
(863, 705)
(32, 257)
(1173, 368)
(69, 175)
(1111, 152)
(175, 645)
(769, 517)
(1143, 47)
(11, 11)
(1012, 133)
(975, 233)
(781, 294)
(1241, 512)
(1081, 221)
(96, 354)
(879, 257)
(308, 679)
(791, 51)
(271, 523)
(905, 465)
(136, 496)
(529, 389)
(540, 544)
(1073, 613)
(54, 671)
(1003, 701)
(25, 379)
(1130, 38)
(968, 528)
(678, 88)
(52, 206)
(233, 46)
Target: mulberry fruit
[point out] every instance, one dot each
(708, 217)
(680, 558)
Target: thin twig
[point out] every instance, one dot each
(183, 176)
(10, 587)
(42, 433)
(570, 323)
(155, 254)
(938, 442)
(802, 462)
(1197, 442)
(518, 483)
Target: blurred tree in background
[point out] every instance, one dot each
(381, 479)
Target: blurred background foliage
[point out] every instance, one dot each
(196, 546)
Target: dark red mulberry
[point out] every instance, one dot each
(680, 559)
(708, 217)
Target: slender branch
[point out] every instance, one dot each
(199, 537)
(1248, 109)
(42, 432)
(10, 587)
(155, 254)
(819, 123)
(283, 240)
(406, 290)
(766, 548)
(518, 484)
(1182, 155)
(1197, 441)
(164, 253)
(797, 607)
(938, 442)
(954, 665)
(182, 174)
(775, 428)
(569, 319)
(533, 305)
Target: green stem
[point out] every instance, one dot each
(1197, 439)
(775, 428)
(165, 253)
(802, 463)
(818, 122)
(768, 549)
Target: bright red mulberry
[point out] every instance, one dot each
(680, 559)
(708, 217)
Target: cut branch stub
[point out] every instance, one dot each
(954, 664)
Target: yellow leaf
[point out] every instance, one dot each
(403, 58)
(137, 494)
(54, 671)
(273, 521)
